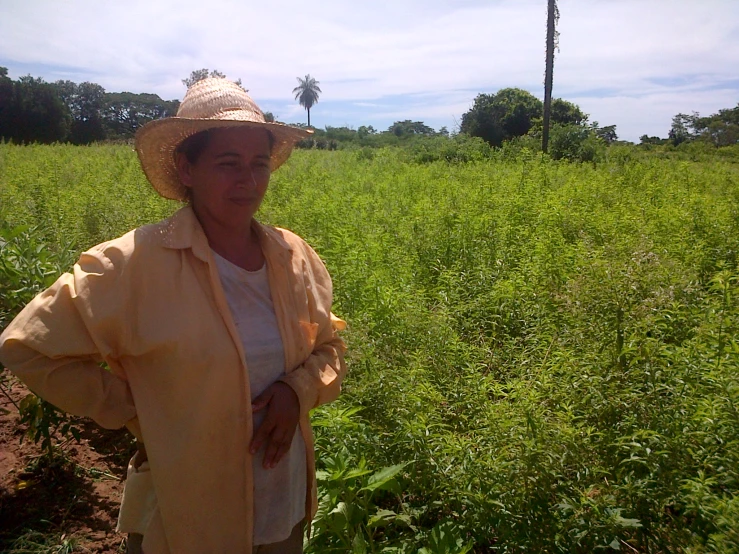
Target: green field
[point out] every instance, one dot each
(550, 349)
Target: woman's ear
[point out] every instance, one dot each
(184, 169)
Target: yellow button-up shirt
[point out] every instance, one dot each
(150, 304)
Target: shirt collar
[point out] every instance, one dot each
(183, 230)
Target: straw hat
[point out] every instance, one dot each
(208, 104)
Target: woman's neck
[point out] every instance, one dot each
(239, 245)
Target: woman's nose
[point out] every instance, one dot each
(246, 176)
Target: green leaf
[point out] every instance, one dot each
(381, 517)
(359, 544)
(16, 231)
(627, 522)
(383, 477)
(340, 516)
(359, 472)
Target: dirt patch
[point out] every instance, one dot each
(69, 505)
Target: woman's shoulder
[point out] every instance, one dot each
(288, 236)
(137, 244)
(289, 241)
(300, 251)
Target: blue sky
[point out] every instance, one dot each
(632, 63)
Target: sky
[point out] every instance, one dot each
(632, 63)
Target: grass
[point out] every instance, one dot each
(546, 350)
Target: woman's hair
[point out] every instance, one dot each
(194, 145)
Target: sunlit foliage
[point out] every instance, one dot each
(543, 355)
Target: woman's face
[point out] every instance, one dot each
(230, 177)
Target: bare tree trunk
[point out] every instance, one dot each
(308, 116)
(549, 72)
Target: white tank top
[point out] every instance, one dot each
(279, 493)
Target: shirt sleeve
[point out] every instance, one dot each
(58, 341)
(318, 380)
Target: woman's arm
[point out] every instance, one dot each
(315, 381)
(318, 379)
(55, 345)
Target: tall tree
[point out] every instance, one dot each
(501, 116)
(87, 126)
(86, 103)
(607, 134)
(6, 102)
(125, 112)
(566, 113)
(721, 129)
(200, 74)
(683, 128)
(307, 93)
(408, 128)
(31, 111)
(552, 39)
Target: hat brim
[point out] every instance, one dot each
(157, 141)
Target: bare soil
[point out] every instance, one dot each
(69, 505)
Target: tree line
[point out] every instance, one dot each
(719, 129)
(32, 110)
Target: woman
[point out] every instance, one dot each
(217, 330)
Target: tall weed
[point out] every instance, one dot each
(543, 352)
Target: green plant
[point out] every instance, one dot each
(34, 542)
(575, 143)
(27, 266)
(350, 516)
(550, 347)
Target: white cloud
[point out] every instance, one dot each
(631, 62)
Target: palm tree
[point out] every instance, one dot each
(552, 39)
(307, 93)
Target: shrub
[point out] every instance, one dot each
(459, 149)
(575, 143)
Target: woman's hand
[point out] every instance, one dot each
(278, 427)
(140, 457)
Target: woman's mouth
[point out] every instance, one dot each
(242, 200)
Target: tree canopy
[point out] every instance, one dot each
(86, 103)
(567, 113)
(514, 112)
(722, 128)
(501, 116)
(719, 129)
(125, 112)
(408, 127)
(32, 110)
(200, 74)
